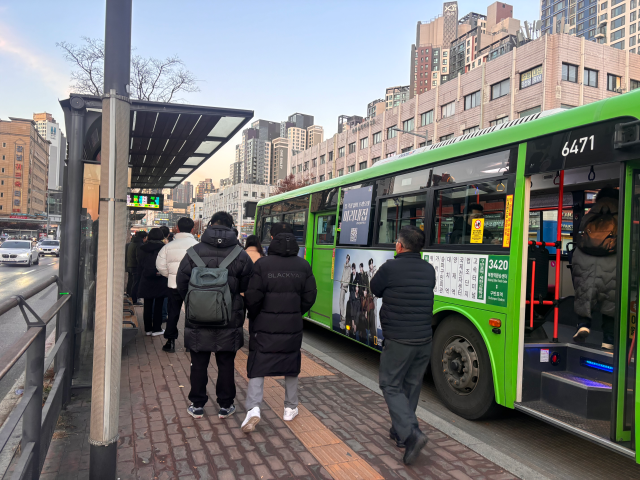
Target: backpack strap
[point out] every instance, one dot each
(231, 257)
(196, 259)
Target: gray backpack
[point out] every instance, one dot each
(208, 301)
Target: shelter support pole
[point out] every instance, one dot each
(105, 399)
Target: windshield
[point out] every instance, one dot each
(13, 244)
(50, 242)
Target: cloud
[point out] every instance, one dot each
(51, 75)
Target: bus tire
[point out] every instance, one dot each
(461, 369)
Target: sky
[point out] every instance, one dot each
(275, 57)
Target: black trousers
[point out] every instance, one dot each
(173, 310)
(129, 280)
(402, 369)
(225, 384)
(153, 316)
(134, 287)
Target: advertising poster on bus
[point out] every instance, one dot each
(355, 312)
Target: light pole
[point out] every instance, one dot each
(47, 232)
(410, 133)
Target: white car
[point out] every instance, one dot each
(19, 252)
(49, 247)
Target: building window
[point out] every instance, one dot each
(330, 156)
(245, 194)
(472, 100)
(391, 133)
(351, 168)
(322, 159)
(617, 23)
(500, 89)
(633, 84)
(569, 73)
(3, 157)
(314, 162)
(614, 83)
(364, 142)
(448, 110)
(426, 118)
(374, 160)
(617, 35)
(340, 152)
(531, 77)
(446, 137)
(254, 194)
(293, 170)
(632, 41)
(406, 149)
(313, 180)
(306, 166)
(530, 111)
(352, 147)
(407, 125)
(362, 165)
(377, 138)
(590, 78)
(498, 121)
(341, 172)
(471, 130)
(322, 178)
(618, 10)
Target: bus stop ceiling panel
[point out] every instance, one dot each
(168, 141)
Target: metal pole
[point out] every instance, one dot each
(114, 173)
(32, 418)
(48, 198)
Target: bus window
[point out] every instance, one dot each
(486, 166)
(457, 208)
(297, 221)
(266, 228)
(397, 212)
(326, 230)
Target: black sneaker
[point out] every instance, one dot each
(170, 346)
(414, 444)
(396, 438)
(227, 412)
(195, 412)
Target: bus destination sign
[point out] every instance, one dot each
(145, 202)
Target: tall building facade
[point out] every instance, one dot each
(279, 164)
(49, 129)
(376, 107)
(204, 187)
(24, 157)
(553, 72)
(394, 96)
(183, 193)
(255, 154)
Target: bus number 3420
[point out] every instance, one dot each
(578, 145)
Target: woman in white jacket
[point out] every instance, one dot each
(167, 263)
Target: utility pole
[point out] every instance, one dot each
(47, 233)
(114, 173)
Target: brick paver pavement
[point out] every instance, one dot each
(341, 432)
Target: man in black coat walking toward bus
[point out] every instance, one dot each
(281, 290)
(405, 285)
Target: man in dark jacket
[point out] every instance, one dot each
(405, 285)
(132, 264)
(153, 286)
(217, 241)
(281, 290)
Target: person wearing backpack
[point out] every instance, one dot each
(281, 290)
(210, 279)
(594, 265)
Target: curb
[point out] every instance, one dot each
(487, 451)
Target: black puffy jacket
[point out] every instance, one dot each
(405, 285)
(281, 289)
(217, 242)
(152, 284)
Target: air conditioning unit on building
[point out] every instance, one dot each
(618, 90)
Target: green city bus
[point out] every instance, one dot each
(501, 210)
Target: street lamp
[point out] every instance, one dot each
(410, 133)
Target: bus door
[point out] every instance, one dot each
(324, 237)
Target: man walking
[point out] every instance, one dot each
(405, 285)
(344, 288)
(167, 263)
(281, 290)
(218, 241)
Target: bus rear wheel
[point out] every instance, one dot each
(462, 369)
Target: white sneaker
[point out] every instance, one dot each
(607, 346)
(157, 334)
(290, 414)
(148, 334)
(251, 420)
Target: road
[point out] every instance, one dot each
(545, 449)
(14, 279)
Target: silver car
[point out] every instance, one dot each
(49, 247)
(19, 252)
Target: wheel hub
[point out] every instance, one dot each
(460, 365)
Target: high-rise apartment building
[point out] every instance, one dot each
(204, 187)
(254, 153)
(376, 107)
(49, 129)
(315, 135)
(183, 193)
(235, 172)
(396, 95)
(24, 157)
(279, 164)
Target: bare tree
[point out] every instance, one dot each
(290, 183)
(151, 78)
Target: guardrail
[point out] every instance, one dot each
(38, 421)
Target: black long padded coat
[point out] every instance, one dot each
(217, 242)
(281, 289)
(152, 284)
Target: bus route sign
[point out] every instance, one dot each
(475, 278)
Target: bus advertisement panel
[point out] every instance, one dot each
(355, 312)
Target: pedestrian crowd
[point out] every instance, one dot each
(220, 283)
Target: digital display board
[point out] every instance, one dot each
(142, 201)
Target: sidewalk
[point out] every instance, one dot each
(342, 431)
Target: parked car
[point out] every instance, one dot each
(49, 247)
(19, 252)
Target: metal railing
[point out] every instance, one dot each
(38, 420)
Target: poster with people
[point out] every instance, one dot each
(355, 311)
